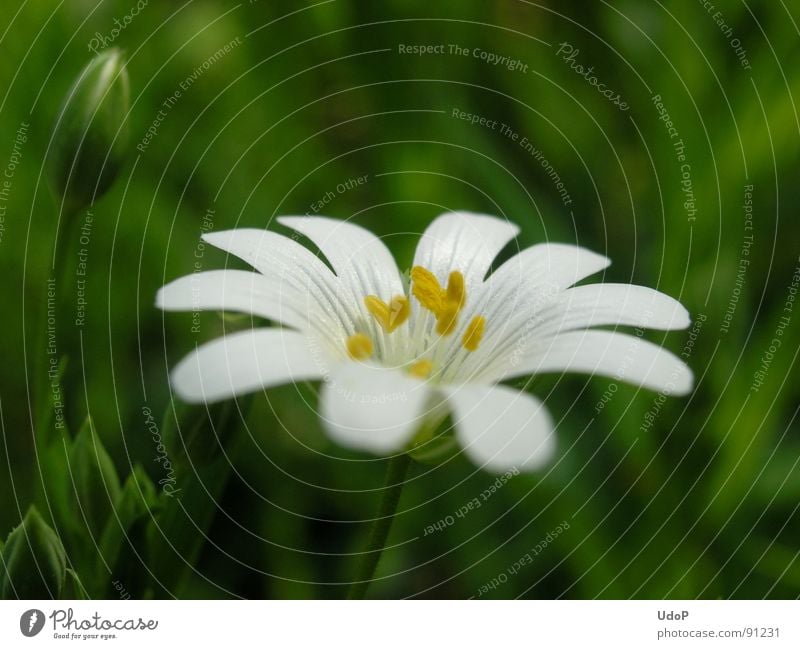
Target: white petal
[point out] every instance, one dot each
(463, 241)
(244, 362)
(514, 298)
(360, 259)
(613, 304)
(550, 265)
(268, 252)
(371, 408)
(287, 262)
(501, 428)
(240, 291)
(615, 355)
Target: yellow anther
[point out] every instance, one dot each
(474, 333)
(378, 308)
(421, 368)
(389, 316)
(399, 311)
(359, 346)
(448, 319)
(456, 291)
(427, 290)
(444, 304)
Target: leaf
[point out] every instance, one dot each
(175, 543)
(135, 502)
(94, 479)
(34, 561)
(73, 588)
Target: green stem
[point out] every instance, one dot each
(368, 560)
(59, 253)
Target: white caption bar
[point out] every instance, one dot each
(385, 624)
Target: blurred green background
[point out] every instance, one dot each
(702, 501)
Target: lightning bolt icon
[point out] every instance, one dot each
(32, 620)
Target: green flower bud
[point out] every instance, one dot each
(34, 562)
(95, 479)
(91, 134)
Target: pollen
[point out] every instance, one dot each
(456, 292)
(389, 316)
(427, 290)
(421, 369)
(448, 319)
(359, 346)
(445, 304)
(474, 333)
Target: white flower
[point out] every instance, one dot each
(393, 359)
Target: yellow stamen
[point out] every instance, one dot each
(389, 316)
(427, 290)
(359, 346)
(378, 308)
(474, 333)
(399, 311)
(421, 368)
(456, 291)
(448, 319)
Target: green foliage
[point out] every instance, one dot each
(122, 542)
(34, 561)
(696, 501)
(94, 481)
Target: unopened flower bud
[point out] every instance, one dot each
(91, 135)
(34, 562)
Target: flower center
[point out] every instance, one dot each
(421, 347)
